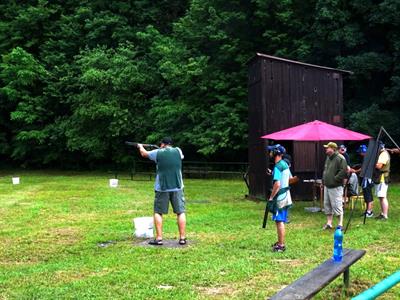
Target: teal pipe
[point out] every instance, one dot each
(379, 288)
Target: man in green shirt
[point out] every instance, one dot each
(335, 172)
(168, 187)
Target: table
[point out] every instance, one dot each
(317, 186)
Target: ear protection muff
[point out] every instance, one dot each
(278, 150)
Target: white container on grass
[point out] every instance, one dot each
(114, 183)
(15, 180)
(144, 227)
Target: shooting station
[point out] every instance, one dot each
(285, 93)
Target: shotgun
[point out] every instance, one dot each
(292, 180)
(134, 144)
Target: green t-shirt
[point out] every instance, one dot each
(169, 165)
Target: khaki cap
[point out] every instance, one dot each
(331, 145)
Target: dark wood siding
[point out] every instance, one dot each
(304, 156)
(257, 108)
(283, 94)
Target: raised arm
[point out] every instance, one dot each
(394, 151)
(143, 152)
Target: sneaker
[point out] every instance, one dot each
(327, 227)
(381, 217)
(278, 248)
(369, 214)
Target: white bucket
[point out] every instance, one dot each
(113, 182)
(15, 180)
(143, 227)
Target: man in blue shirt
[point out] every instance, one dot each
(280, 199)
(168, 187)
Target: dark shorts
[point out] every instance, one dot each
(162, 199)
(367, 193)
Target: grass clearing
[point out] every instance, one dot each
(51, 225)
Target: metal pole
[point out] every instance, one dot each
(379, 288)
(350, 217)
(316, 162)
(315, 175)
(390, 137)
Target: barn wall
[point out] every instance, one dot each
(283, 94)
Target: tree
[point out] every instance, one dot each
(23, 78)
(113, 90)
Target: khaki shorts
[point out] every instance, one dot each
(162, 199)
(333, 201)
(381, 190)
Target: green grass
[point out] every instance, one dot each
(51, 223)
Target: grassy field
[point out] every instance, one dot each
(51, 225)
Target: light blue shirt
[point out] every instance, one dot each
(282, 176)
(153, 156)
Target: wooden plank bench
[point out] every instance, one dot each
(310, 284)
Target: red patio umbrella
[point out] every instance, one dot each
(316, 131)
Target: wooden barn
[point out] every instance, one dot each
(285, 93)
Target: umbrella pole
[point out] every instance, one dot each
(316, 161)
(315, 174)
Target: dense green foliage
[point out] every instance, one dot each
(77, 78)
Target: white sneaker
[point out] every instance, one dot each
(369, 214)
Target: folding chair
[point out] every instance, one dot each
(360, 197)
(352, 199)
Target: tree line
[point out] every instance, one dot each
(77, 78)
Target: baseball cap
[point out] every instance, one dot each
(278, 149)
(166, 140)
(331, 145)
(362, 149)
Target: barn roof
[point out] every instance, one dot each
(298, 63)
